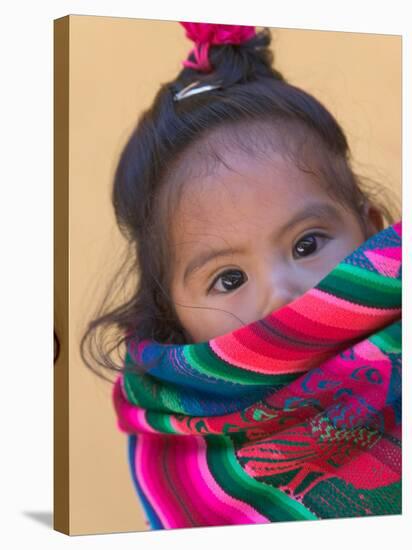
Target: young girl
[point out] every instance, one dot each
(236, 192)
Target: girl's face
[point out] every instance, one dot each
(251, 238)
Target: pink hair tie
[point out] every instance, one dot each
(206, 34)
(201, 53)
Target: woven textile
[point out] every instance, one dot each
(295, 416)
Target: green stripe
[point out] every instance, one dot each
(203, 359)
(356, 273)
(229, 474)
(144, 392)
(369, 289)
(135, 395)
(290, 443)
(395, 330)
(389, 340)
(160, 422)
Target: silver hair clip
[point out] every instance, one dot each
(191, 90)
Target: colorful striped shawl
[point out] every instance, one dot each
(295, 416)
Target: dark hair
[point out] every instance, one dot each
(251, 92)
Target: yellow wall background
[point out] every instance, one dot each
(116, 66)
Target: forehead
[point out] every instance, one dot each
(234, 186)
(214, 150)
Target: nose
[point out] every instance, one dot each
(281, 290)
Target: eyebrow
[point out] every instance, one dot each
(315, 210)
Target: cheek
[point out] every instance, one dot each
(205, 324)
(334, 252)
(191, 314)
(207, 319)
(340, 248)
(352, 241)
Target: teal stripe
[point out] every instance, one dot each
(366, 288)
(229, 474)
(160, 422)
(204, 360)
(359, 274)
(146, 393)
(386, 344)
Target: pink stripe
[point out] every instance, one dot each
(371, 352)
(383, 264)
(141, 466)
(141, 422)
(316, 305)
(190, 476)
(397, 227)
(189, 472)
(311, 328)
(255, 362)
(354, 319)
(235, 510)
(131, 418)
(153, 483)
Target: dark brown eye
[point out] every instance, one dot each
(309, 244)
(229, 280)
